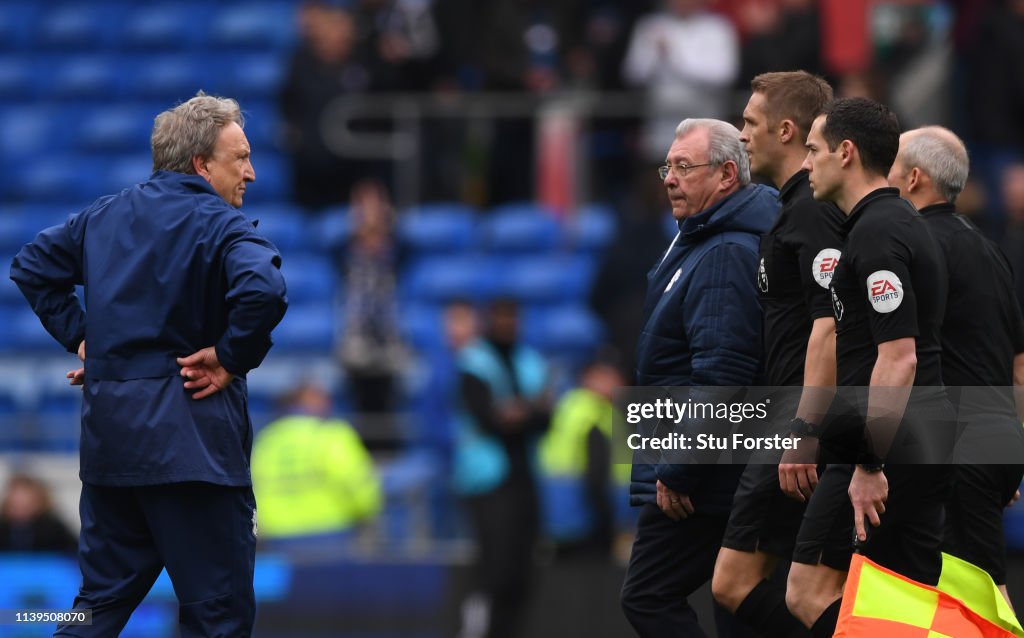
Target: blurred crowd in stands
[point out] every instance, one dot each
(952, 63)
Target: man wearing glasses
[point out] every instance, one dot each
(702, 327)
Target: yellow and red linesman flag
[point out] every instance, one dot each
(879, 602)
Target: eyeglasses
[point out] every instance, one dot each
(680, 169)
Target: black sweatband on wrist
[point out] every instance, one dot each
(800, 427)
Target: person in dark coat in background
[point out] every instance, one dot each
(330, 63)
(178, 283)
(504, 407)
(371, 349)
(27, 520)
(703, 328)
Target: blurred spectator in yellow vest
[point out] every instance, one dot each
(579, 481)
(312, 475)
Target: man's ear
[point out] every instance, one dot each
(730, 175)
(787, 131)
(199, 166)
(846, 153)
(915, 179)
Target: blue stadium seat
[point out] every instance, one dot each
(18, 23)
(333, 228)
(125, 171)
(262, 127)
(310, 279)
(79, 26)
(58, 426)
(16, 229)
(572, 330)
(592, 228)
(273, 181)
(422, 326)
(439, 228)
(46, 215)
(10, 296)
(19, 80)
(545, 279)
(57, 417)
(60, 178)
(20, 223)
(13, 305)
(87, 78)
(522, 228)
(254, 75)
(170, 78)
(282, 224)
(10, 403)
(115, 128)
(262, 27)
(27, 332)
(61, 398)
(406, 481)
(443, 279)
(30, 131)
(174, 27)
(306, 328)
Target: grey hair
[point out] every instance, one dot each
(724, 144)
(939, 154)
(191, 129)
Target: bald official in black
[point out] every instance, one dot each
(982, 349)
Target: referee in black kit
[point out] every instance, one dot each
(797, 258)
(888, 303)
(982, 345)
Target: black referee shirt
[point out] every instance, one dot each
(798, 256)
(890, 284)
(983, 328)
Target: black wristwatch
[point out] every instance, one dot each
(800, 427)
(870, 462)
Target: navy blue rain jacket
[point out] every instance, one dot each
(702, 327)
(169, 268)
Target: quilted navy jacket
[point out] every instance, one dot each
(168, 267)
(702, 327)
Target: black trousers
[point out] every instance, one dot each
(204, 535)
(670, 561)
(974, 515)
(505, 524)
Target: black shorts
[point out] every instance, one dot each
(910, 536)
(762, 517)
(974, 515)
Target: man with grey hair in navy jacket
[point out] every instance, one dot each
(702, 328)
(178, 283)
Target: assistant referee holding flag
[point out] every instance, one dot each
(888, 304)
